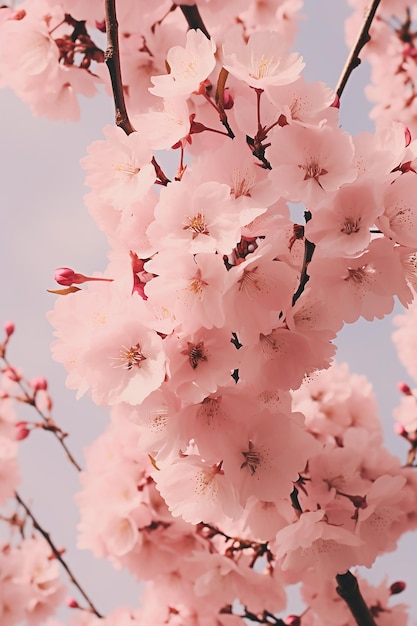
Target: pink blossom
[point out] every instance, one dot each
(263, 61)
(119, 169)
(341, 224)
(312, 542)
(188, 67)
(307, 162)
(399, 220)
(201, 219)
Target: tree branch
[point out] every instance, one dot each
(362, 39)
(194, 19)
(348, 590)
(57, 554)
(49, 423)
(112, 58)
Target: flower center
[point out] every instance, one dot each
(131, 357)
(195, 353)
(313, 170)
(351, 226)
(197, 225)
(252, 458)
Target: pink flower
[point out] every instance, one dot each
(188, 67)
(119, 169)
(307, 162)
(312, 542)
(197, 490)
(399, 220)
(341, 223)
(263, 61)
(196, 219)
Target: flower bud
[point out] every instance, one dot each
(400, 430)
(64, 276)
(9, 328)
(22, 431)
(292, 620)
(39, 383)
(397, 587)
(72, 603)
(405, 389)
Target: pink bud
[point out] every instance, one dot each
(292, 620)
(408, 137)
(22, 431)
(64, 276)
(397, 587)
(9, 328)
(39, 383)
(405, 389)
(72, 603)
(228, 101)
(400, 430)
(336, 102)
(101, 26)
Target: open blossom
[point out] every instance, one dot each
(123, 360)
(119, 169)
(188, 67)
(195, 219)
(341, 224)
(263, 61)
(399, 219)
(309, 161)
(312, 542)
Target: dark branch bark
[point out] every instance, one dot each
(362, 39)
(348, 589)
(194, 19)
(112, 58)
(57, 554)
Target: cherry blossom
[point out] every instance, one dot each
(188, 67)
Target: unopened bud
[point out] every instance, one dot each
(66, 276)
(405, 389)
(39, 383)
(400, 430)
(72, 603)
(22, 430)
(293, 620)
(228, 100)
(9, 328)
(397, 587)
(101, 26)
(336, 102)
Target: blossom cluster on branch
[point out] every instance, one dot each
(241, 458)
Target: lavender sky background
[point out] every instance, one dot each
(45, 225)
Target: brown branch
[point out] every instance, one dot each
(49, 424)
(112, 58)
(362, 39)
(194, 19)
(348, 590)
(57, 554)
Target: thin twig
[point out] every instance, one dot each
(57, 554)
(194, 19)
(348, 590)
(49, 424)
(362, 39)
(112, 58)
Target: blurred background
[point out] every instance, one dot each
(44, 225)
